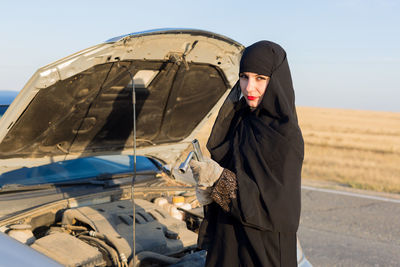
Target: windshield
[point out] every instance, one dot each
(81, 168)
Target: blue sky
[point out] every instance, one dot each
(343, 53)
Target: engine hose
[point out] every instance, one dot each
(111, 251)
(74, 227)
(122, 258)
(154, 258)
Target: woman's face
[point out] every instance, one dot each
(253, 87)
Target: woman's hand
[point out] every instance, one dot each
(205, 172)
(203, 195)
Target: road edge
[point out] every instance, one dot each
(307, 183)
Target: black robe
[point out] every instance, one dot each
(264, 148)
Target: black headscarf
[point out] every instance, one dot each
(263, 147)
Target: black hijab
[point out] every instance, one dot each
(263, 147)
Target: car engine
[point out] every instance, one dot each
(102, 235)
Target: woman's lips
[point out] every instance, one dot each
(251, 97)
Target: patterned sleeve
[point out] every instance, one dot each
(225, 189)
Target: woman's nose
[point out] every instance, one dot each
(250, 86)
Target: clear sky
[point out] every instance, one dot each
(343, 53)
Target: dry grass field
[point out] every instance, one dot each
(360, 149)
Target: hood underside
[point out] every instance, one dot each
(82, 104)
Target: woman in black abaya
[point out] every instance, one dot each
(251, 186)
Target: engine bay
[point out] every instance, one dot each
(102, 235)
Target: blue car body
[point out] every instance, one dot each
(6, 97)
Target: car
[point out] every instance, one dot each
(90, 152)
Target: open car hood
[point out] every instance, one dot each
(81, 105)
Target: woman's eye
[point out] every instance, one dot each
(259, 78)
(243, 76)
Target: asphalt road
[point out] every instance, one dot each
(349, 229)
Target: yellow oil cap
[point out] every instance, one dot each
(178, 199)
